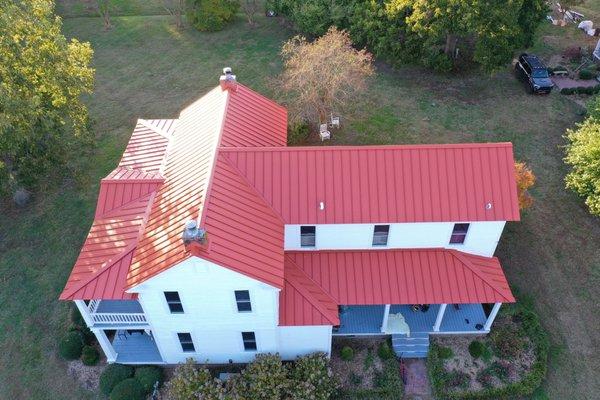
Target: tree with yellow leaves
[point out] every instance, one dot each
(525, 180)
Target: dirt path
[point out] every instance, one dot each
(417, 383)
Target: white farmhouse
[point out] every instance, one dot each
(214, 240)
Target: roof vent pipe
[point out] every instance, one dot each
(192, 233)
(227, 80)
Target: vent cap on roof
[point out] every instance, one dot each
(193, 233)
(227, 80)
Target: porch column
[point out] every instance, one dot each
(439, 318)
(488, 323)
(85, 312)
(386, 314)
(106, 345)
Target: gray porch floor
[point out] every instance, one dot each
(120, 307)
(365, 320)
(135, 348)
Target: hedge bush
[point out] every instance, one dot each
(445, 353)
(264, 378)
(587, 74)
(148, 376)
(211, 15)
(581, 90)
(525, 387)
(112, 375)
(312, 378)
(128, 389)
(90, 355)
(70, 345)
(476, 348)
(190, 382)
(347, 353)
(298, 134)
(385, 351)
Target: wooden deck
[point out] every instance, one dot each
(367, 320)
(135, 348)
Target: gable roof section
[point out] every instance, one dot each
(123, 201)
(407, 276)
(303, 302)
(237, 117)
(367, 184)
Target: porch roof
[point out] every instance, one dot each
(403, 276)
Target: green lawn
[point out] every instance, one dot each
(148, 69)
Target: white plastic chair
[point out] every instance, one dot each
(334, 122)
(323, 132)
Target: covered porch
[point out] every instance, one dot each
(129, 346)
(436, 318)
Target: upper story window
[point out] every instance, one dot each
(308, 236)
(380, 235)
(242, 298)
(187, 344)
(174, 302)
(249, 339)
(459, 233)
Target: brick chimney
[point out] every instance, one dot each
(195, 236)
(227, 80)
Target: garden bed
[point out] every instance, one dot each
(369, 371)
(510, 361)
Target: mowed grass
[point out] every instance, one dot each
(145, 68)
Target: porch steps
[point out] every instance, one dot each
(414, 346)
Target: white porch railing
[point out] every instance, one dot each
(118, 318)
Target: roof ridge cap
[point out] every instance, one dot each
(435, 146)
(306, 293)
(463, 258)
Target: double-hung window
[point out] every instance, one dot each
(308, 236)
(242, 298)
(380, 235)
(459, 233)
(249, 339)
(174, 302)
(187, 344)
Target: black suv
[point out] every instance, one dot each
(531, 70)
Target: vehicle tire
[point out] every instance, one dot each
(530, 89)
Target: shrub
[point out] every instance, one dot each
(311, 378)
(445, 353)
(389, 379)
(70, 345)
(347, 353)
(128, 389)
(567, 91)
(264, 378)
(476, 349)
(89, 355)
(385, 351)
(211, 15)
(112, 375)
(501, 369)
(191, 382)
(148, 376)
(298, 133)
(486, 378)
(507, 341)
(587, 74)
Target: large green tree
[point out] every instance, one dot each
(583, 154)
(42, 76)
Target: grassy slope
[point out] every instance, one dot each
(147, 69)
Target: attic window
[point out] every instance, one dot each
(174, 302)
(242, 298)
(308, 236)
(459, 233)
(380, 235)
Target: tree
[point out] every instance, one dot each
(176, 8)
(42, 75)
(525, 180)
(104, 11)
(211, 15)
(324, 75)
(583, 154)
(250, 8)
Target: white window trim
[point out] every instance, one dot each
(235, 308)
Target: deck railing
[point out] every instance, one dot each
(118, 318)
(114, 317)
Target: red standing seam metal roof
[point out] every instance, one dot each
(125, 194)
(386, 184)
(405, 276)
(221, 118)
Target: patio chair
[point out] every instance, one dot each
(323, 132)
(334, 122)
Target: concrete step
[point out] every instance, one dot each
(413, 354)
(414, 346)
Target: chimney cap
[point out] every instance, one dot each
(227, 70)
(191, 224)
